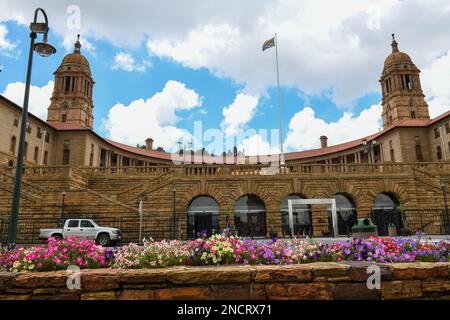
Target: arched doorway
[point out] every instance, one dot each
(346, 214)
(203, 216)
(385, 212)
(301, 214)
(250, 216)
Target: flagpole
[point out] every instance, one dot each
(279, 105)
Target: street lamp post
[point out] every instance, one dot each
(44, 49)
(63, 193)
(445, 203)
(174, 190)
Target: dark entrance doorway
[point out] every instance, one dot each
(386, 212)
(346, 214)
(250, 216)
(203, 217)
(302, 217)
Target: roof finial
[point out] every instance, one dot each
(77, 44)
(394, 44)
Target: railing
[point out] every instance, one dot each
(152, 170)
(241, 169)
(27, 187)
(156, 227)
(136, 191)
(431, 221)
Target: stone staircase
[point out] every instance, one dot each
(426, 178)
(29, 190)
(147, 186)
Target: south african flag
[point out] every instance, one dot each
(268, 44)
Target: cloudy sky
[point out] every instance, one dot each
(161, 66)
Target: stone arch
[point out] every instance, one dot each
(250, 188)
(302, 216)
(203, 216)
(250, 213)
(346, 188)
(197, 189)
(388, 186)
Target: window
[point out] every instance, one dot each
(36, 154)
(437, 134)
(16, 121)
(25, 151)
(67, 83)
(45, 157)
(413, 114)
(447, 128)
(419, 154)
(47, 137)
(409, 83)
(28, 127)
(66, 156)
(439, 153)
(12, 148)
(86, 224)
(391, 150)
(73, 224)
(91, 157)
(39, 133)
(64, 118)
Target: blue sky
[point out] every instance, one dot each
(329, 82)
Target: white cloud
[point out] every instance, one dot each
(305, 128)
(201, 46)
(258, 145)
(7, 47)
(239, 113)
(39, 97)
(125, 61)
(339, 50)
(154, 117)
(436, 85)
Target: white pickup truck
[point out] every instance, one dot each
(83, 228)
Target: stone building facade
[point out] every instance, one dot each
(388, 175)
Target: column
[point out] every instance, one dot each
(320, 220)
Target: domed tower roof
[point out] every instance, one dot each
(76, 58)
(396, 56)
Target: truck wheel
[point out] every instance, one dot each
(58, 237)
(103, 240)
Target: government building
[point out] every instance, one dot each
(398, 176)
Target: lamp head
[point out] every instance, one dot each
(44, 49)
(174, 188)
(64, 192)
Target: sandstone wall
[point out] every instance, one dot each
(330, 281)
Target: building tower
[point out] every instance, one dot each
(71, 100)
(403, 97)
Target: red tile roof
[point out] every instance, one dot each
(355, 143)
(288, 156)
(142, 152)
(67, 126)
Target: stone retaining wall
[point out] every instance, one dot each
(309, 281)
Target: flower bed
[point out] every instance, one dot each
(217, 250)
(55, 255)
